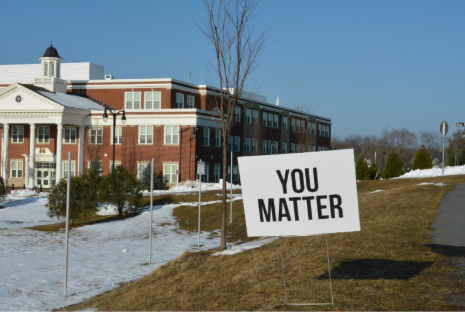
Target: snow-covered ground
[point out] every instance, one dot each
(193, 186)
(434, 172)
(101, 256)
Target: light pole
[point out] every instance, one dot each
(123, 121)
(180, 146)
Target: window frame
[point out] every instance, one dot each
(275, 121)
(264, 119)
(284, 147)
(18, 169)
(19, 136)
(118, 136)
(139, 169)
(170, 174)
(179, 105)
(96, 139)
(217, 137)
(254, 116)
(133, 101)
(237, 113)
(175, 134)
(248, 116)
(145, 135)
(247, 144)
(190, 97)
(205, 178)
(284, 122)
(254, 147)
(206, 136)
(153, 100)
(45, 137)
(270, 120)
(65, 170)
(70, 129)
(237, 144)
(216, 173)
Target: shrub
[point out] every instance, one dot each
(394, 166)
(121, 189)
(146, 179)
(362, 171)
(2, 189)
(83, 199)
(422, 159)
(374, 171)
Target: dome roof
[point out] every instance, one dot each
(51, 52)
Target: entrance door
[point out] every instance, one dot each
(45, 174)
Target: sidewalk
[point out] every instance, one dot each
(449, 225)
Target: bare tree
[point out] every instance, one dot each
(455, 149)
(404, 141)
(433, 142)
(231, 30)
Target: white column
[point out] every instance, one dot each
(5, 152)
(81, 150)
(32, 151)
(59, 153)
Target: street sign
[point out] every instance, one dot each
(460, 124)
(444, 128)
(300, 194)
(201, 167)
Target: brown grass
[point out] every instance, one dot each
(385, 266)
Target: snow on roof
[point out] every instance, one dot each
(70, 100)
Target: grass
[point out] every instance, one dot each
(385, 266)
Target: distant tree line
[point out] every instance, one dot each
(399, 150)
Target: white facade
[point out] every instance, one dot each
(69, 71)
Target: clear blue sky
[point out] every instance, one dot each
(364, 64)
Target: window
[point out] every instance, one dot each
(313, 128)
(292, 147)
(327, 131)
(270, 120)
(297, 148)
(217, 138)
(117, 163)
(132, 100)
(269, 149)
(16, 169)
(237, 113)
(45, 69)
(118, 134)
(145, 134)
(309, 127)
(228, 176)
(293, 124)
(179, 100)
(248, 115)
(319, 130)
(43, 134)
(52, 69)
(235, 173)
(70, 135)
(190, 101)
(247, 145)
(140, 169)
(302, 125)
(297, 125)
(172, 135)
(96, 165)
(65, 169)
(284, 148)
(313, 148)
(230, 143)
(264, 115)
(17, 134)
(206, 136)
(255, 116)
(275, 147)
(264, 147)
(319, 148)
(153, 100)
(284, 122)
(170, 173)
(275, 121)
(237, 144)
(254, 146)
(206, 176)
(95, 135)
(216, 173)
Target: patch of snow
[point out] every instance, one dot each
(246, 246)
(23, 193)
(434, 172)
(431, 183)
(32, 262)
(375, 192)
(193, 186)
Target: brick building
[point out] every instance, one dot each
(43, 117)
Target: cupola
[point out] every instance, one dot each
(51, 63)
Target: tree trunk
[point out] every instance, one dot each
(224, 204)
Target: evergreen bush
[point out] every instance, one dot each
(362, 171)
(83, 200)
(422, 159)
(122, 189)
(2, 189)
(394, 166)
(146, 178)
(374, 171)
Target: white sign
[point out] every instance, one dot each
(201, 167)
(300, 194)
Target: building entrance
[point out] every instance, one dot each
(45, 174)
